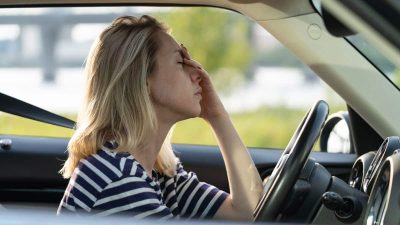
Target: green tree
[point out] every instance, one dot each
(223, 48)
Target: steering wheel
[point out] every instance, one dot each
(291, 162)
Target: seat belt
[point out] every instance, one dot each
(17, 107)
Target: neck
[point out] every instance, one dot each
(147, 152)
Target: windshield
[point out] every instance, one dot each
(374, 55)
(371, 53)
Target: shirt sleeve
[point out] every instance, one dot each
(197, 199)
(131, 196)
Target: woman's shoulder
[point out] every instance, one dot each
(105, 164)
(103, 170)
(99, 167)
(180, 173)
(104, 174)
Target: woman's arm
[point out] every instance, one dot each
(244, 180)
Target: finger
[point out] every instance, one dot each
(185, 54)
(197, 68)
(203, 75)
(192, 63)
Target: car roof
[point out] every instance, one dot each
(258, 10)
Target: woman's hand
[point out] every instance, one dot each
(211, 105)
(244, 180)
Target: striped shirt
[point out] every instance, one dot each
(109, 183)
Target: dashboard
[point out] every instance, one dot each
(378, 175)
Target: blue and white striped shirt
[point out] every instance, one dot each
(109, 183)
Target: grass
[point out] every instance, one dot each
(15, 125)
(270, 127)
(266, 127)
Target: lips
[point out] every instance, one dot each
(198, 94)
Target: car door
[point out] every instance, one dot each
(30, 166)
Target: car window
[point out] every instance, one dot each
(370, 51)
(387, 67)
(264, 87)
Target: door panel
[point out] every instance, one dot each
(29, 169)
(207, 162)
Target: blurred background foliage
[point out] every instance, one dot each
(270, 127)
(225, 50)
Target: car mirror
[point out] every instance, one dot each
(332, 24)
(336, 135)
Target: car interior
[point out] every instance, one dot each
(355, 182)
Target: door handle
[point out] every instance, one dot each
(5, 144)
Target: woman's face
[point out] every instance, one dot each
(174, 86)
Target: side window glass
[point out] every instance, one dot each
(41, 64)
(15, 125)
(264, 87)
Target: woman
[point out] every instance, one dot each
(140, 83)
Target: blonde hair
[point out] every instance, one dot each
(117, 103)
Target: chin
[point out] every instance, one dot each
(195, 112)
(198, 112)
